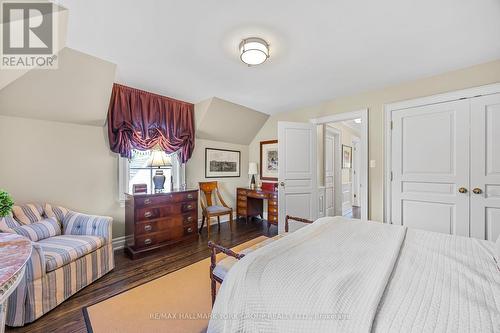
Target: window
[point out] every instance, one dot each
(135, 171)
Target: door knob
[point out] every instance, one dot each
(462, 190)
(477, 190)
(282, 183)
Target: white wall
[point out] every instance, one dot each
(195, 170)
(374, 100)
(64, 164)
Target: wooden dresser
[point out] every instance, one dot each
(251, 203)
(154, 221)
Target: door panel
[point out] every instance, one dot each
(297, 172)
(485, 167)
(329, 173)
(430, 162)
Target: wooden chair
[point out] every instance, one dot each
(209, 209)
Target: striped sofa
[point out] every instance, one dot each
(70, 251)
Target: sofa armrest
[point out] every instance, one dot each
(89, 225)
(35, 266)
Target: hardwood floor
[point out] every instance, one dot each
(67, 317)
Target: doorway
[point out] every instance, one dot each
(343, 164)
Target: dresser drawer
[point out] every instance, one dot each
(242, 198)
(272, 218)
(273, 203)
(190, 229)
(189, 196)
(242, 204)
(242, 211)
(144, 241)
(272, 210)
(143, 228)
(152, 213)
(153, 200)
(257, 195)
(188, 206)
(242, 192)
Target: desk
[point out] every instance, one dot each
(251, 203)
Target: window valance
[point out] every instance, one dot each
(141, 120)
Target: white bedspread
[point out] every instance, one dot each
(442, 283)
(332, 275)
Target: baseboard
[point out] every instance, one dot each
(118, 243)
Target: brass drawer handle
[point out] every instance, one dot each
(462, 190)
(148, 214)
(190, 230)
(148, 227)
(189, 207)
(477, 190)
(190, 196)
(147, 241)
(147, 201)
(189, 218)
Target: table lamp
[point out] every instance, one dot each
(252, 170)
(159, 159)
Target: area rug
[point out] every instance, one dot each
(177, 302)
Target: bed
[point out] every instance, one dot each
(341, 275)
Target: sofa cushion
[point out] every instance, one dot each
(7, 223)
(39, 230)
(61, 250)
(28, 213)
(55, 211)
(224, 265)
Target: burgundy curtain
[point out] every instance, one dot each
(141, 120)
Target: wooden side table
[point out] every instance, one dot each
(15, 251)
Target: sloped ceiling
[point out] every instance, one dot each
(220, 120)
(77, 92)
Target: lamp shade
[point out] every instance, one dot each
(158, 159)
(252, 168)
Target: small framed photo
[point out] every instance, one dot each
(269, 160)
(222, 163)
(346, 157)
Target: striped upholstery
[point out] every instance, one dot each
(62, 265)
(90, 225)
(61, 250)
(7, 223)
(28, 213)
(55, 211)
(39, 230)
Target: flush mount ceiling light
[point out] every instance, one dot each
(254, 51)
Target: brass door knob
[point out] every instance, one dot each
(477, 190)
(462, 190)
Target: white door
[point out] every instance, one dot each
(430, 167)
(355, 173)
(297, 172)
(485, 167)
(329, 172)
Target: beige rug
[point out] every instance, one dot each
(177, 302)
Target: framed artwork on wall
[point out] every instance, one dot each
(346, 157)
(269, 160)
(222, 163)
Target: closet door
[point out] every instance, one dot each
(430, 167)
(485, 167)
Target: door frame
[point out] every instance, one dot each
(484, 90)
(355, 170)
(337, 170)
(363, 178)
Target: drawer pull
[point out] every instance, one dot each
(190, 230)
(147, 241)
(190, 196)
(148, 214)
(189, 218)
(147, 201)
(189, 207)
(148, 227)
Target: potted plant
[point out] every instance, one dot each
(6, 203)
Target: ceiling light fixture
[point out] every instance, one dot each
(254, 51)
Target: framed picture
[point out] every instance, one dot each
(222, 163)
(346, 157)
(269, 160)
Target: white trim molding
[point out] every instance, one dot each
(118, 243)
(422, 101)
(363, 179)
